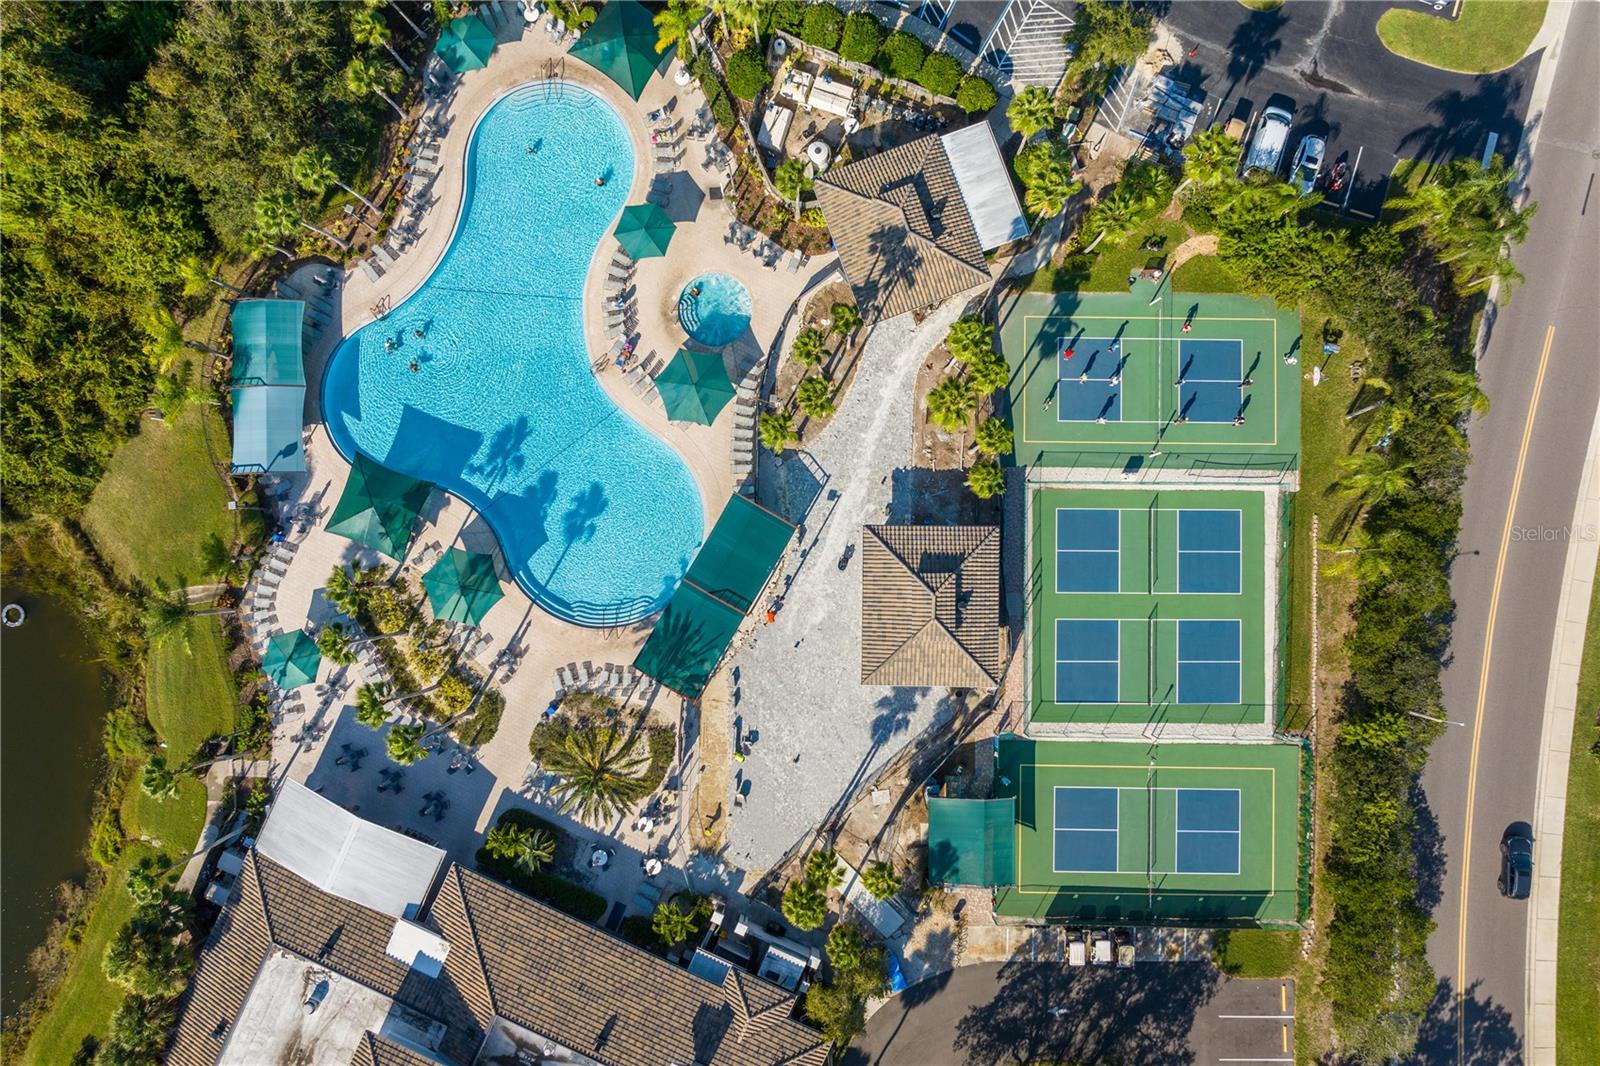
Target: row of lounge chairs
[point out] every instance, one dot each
(621, 683)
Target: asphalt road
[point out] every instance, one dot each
(1168, 1013)
(1325, 62)
(1541, 370)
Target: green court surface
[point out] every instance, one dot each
(1137, 390)
(1132, 832)
(1148, 606)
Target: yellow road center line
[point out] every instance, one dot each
(1483, 693)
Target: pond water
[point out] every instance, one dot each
(53, 699)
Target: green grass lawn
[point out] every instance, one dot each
(1578, 949)
(189, 693)
(1257, 952)
(1106, 268)
(160, 500)
(1204, 273)
(1490, 35)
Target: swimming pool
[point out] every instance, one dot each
(481, 381)
(714, 309)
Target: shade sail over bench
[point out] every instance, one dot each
(721, 587)
(267, 384)
(379, 506)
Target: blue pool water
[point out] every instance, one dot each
(597, 517)
(719, 313)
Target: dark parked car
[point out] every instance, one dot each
(1516, 861)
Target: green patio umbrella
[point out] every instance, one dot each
(644, 230)
(291, 660)
(621, 44)
(465, 44)
(694, 386)
(462, 586)
(379, 507)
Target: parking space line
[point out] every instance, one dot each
(1350, 182)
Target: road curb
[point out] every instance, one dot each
(1555, 750)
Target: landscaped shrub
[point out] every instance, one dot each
(863, 36)
(901, 56)
(822, 26)
(480, 728)
(722, 110)
(940, 73)
(560, 893)
(747, 74)
(637, 930)
(785, 15)
(975, 94)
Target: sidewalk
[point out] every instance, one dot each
(1550, 800)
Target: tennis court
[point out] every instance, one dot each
(1149, 605)
(1110, 378)
(1121, 831)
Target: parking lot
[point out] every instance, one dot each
(1323, 62)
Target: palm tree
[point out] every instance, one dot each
(1470, 217)
(345, 588)
(147, 879)
(805, 905)
(380, 5)
(600, 772)
(951, 403)
(815, 397)
(1261, 199)
(988, 373)
(1461, 393)
(258, 242)
(739, 18)
(808, 347)
(969, 338)
(823, 870)
(777, 431)
(313, 172)
(175, 392)
(1031, 110)
(368, 27)
(1211, 159)
(164, 336)
(846, 319)
(166, 616)
(335, 645)
(540, 850)
(508, 841)
(674, 23)
(1114, 218)
(994, 437)
(276, 215)
(404, 744)
(362, 77)
(847, 948)
(158, 780)
(1050, 191)
(986, 479)
(1372, 478)
(673, 924)
(372, 710)
(880, 879)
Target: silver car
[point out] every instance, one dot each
(1307, 165)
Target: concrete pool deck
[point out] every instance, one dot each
(544, 641)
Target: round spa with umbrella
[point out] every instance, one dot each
(291, 660)
(644, 231)
(694, 387)
(462, 586)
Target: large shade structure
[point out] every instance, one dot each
(644, 230)
(462, 586)
(291, 660)
(379, 507)
(694, 386)
(622, 45)
(465, 44)
(267, 383)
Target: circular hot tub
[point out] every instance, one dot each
(714, 309)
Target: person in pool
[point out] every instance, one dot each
(695, 292)
(599, 181)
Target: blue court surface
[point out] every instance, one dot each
(1208, 661)
(1209, 551)
(1202, 825)
(1210, 380)
(1208, 831)
(1090, 384)
(1086, 822)
(1088, 550)
(1088, 660)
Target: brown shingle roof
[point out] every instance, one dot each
(930, 606)
(599, 995)
(278, 909)
(904, 235)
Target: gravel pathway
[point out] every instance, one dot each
(820, 732)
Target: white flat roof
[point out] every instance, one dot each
(774, 127)
(345, 855)
(985, 185)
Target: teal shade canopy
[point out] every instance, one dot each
(462, 586)
(621, 44)
(291, 660)
(644, 230)
(379, 507)
(465, 44)
(694, 387)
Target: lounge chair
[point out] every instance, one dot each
(618, 273)
(613, 286)
(369, 270)
(613, 332)
(383, 254)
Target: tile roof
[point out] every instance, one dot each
(601, 996)
(904, 233)
(376, 1051)
(930, 606)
